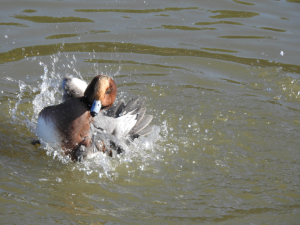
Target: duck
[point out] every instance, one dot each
(86, 122)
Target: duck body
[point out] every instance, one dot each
(87, 122)
(66, 124)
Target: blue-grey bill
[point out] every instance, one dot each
(95, 108)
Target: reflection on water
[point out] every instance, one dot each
(42, 50)
(13, 24)
(243, 3)
(233, 14)
(218, 22)
(246, 37)
(29, 11)
(129, 62)
(49, 19)
(134, 11)
(225, 148)
(220, 50)
(172, 27)
(59, 36)
(272, 29)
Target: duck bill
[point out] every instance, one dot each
(95, 108)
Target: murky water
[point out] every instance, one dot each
(222, 79)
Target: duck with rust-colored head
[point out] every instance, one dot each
(76, 127)
(67, 125)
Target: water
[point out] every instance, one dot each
(221, 80)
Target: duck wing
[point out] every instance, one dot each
(122, 120)
(116, 110)
(119, 127)
(135, 106)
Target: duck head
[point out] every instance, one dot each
(101, 93)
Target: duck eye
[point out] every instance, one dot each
(108, 91)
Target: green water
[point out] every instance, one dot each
(221, 78)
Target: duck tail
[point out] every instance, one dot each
(72, 87)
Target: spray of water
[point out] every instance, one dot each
(47, 92)
(22, 86)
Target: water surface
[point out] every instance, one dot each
(222, 80)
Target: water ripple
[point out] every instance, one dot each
(233, 14)
(31, 51)
(134, 10)
(50, 19)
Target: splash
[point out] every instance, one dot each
(46, 96)
(22, 87)
(140, 153)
